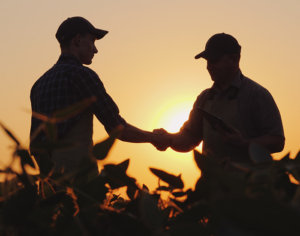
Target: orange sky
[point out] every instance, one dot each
(147, 64)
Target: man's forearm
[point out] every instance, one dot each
(182, 142)
(135, 135)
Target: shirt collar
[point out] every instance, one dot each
(68, 57)
(236, 82)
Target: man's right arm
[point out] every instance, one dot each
(180, 142)
(133, 134)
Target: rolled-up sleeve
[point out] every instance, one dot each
(88, 84)
(194, 125)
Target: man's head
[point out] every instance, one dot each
(76, 36)
(222, 52)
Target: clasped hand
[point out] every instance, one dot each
(163, 139)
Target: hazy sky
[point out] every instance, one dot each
(147, 64)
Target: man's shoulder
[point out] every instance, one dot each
(204, 93)
(203, 96)
(252, 86)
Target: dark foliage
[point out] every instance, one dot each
(256, 199)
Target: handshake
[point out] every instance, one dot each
(162, 139)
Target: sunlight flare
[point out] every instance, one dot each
(172, 117)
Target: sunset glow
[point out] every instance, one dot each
(172, 117)
(146, 63)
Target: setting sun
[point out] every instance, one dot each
(172, 117)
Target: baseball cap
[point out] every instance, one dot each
(77, 25)
(218, 45)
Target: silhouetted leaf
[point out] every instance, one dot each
(47, 189)
(203, 162)
(10, 134)
(194, 214)
(118, 177)
(181, 194)
(286, 158)
(164, 188)
(124, 165)
(100, 150)
(131, 192)
(150, 213)
(25, 157)
(297, 158)
(174, 181)
(95, 188)
(86, 170)
(259, 154)
(114, 198)
(19, 205)
(73, 110)
(45, 164)
(145, 188)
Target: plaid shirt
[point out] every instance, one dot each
(66, 83)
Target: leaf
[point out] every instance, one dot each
(46, 188)
(40, 116)
(20, 205)
(25, 157)
(118, 177)
(174, 181)
(124, 165)
(10, 134)
(203, 162)
(114, 198)
(86, 170)
(45, 164)
(259, 154)
(73, 110)
(150, 213)
(286, 158)
(164, 188)
(131, 192)
(95, 188)
(180, 194)
(100, 150)
(145, 188)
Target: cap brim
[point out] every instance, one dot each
(208, 55)
(100, 33)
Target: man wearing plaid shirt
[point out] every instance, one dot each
(69, 82)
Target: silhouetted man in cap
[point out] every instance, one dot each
(69, 82)
(245, 106)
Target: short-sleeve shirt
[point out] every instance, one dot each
(257, 108)
(66, 83)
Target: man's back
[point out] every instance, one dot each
(67, 83)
